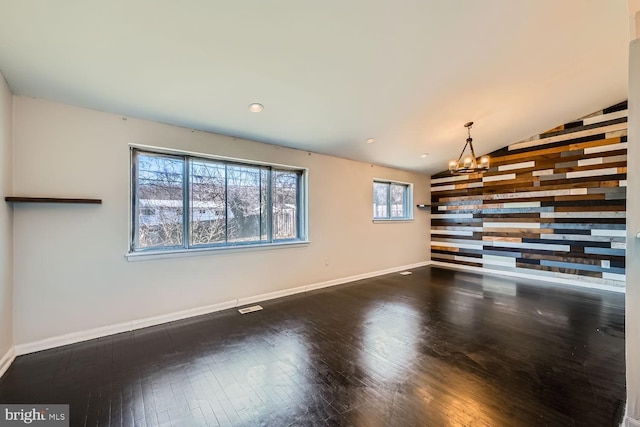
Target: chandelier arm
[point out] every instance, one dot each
(473, 153)
(462, 152)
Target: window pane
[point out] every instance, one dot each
(208, 213)
(264, 204)
(398, 194)
(243, 203)
(380, 198)
(285, 205)
(159, 187)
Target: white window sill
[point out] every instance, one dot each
(387, 221)
(178, 253)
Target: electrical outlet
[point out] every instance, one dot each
(326, 262)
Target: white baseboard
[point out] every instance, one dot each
(270, 295)
(103, 331)
(7, 360)
(556, 280)
(631, 422)
(364, 276)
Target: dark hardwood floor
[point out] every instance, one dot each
(435, 348)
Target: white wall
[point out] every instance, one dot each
(632, 330)
(70, 270)
(6, 220)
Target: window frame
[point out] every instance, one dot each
(407, 202)
(187, 247)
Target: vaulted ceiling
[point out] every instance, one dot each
(330, 74)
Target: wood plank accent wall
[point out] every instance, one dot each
(554, 205)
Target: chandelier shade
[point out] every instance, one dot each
(470, 163)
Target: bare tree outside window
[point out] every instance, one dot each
(398, 194)
(380, 200)
(159, 195)
(207, 202)
(244, 205)
(285, 204)
(391, 200)
(226, 203)
(265, 198)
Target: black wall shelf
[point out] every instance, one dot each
(13, 199)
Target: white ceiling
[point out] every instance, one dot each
(331, 73)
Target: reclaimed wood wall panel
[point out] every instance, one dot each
(553, 205)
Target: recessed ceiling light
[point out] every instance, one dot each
(370, 141)
(255, 107)
(424, 155)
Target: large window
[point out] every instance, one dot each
(392, 200)
(187, 202)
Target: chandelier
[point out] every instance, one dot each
(469, 164)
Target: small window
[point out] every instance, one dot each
(392, 200)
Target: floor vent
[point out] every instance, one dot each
(250, 309)
(405, 273)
